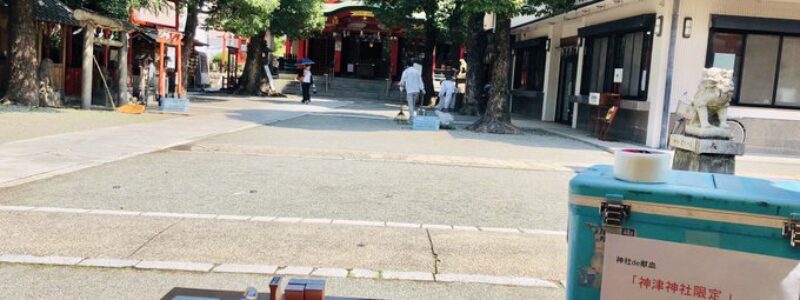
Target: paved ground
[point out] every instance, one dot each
(316, 191)
(48, 121)
(36, 158)
(37, 282)
(249, 187)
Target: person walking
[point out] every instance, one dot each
(411, 82)
(307, 80)
(447, 91)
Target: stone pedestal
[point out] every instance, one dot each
(705, 155)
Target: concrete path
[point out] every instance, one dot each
(292, 246)
(32, 159)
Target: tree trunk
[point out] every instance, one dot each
(87, 66)
(254, 75)
(495, 119)
(22, 86)
(456, 29)
(476, 50)
(427, 64)
(192, 11)
(122, 70)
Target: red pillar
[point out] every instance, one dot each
(337, 54)
(434, 60)
(179, 73)
(394, 55)
(462, 52)
(239, 58)
(225, 46)
(301, 49)
(288, 51)
(161, 69)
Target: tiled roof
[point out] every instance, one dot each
(52, 11)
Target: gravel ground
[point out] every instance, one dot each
(37, 122)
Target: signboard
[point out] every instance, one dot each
(594, 98)
(618, 75)
(269, 76)
(638, 268)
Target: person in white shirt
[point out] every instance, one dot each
(447, 92)
(411, 82)
(307, 80)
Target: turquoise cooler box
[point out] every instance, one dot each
(698, 236)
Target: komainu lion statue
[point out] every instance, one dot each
(708, 117)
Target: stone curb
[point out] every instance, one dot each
(182, 266)
(287, 220)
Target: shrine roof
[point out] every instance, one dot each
(53, 11)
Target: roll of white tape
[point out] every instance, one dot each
(639, 165)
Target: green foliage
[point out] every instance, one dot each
(297, 18)
(518, 7)
(242, 17)
(119, 9)
(280, 47)
(506, 7)
(219, 60)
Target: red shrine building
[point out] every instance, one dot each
(356, 44)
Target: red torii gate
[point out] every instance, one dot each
(170, 37)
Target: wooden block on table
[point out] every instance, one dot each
(277, 288)
(315, 290)
(295, 292)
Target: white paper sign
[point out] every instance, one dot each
(594, 98)
(618, 75)
(637, 268)
(351, 68)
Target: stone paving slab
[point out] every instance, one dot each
(292, 245)
(83, 235)
(503, 254)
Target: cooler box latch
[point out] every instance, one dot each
(791, 230)
(613, 212)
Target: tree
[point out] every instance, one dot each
(496, 118)
(256, 18)
(476, 50)
(193, 8)
(22, 86)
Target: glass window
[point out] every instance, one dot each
(538, 58)
(788, 92)
(758, 75)
(629, 58)
(599, 53)
(627, 51)
(726, 50)
(529, 68)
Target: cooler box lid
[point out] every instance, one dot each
(692, 189)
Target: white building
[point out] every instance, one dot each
(662, 47)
